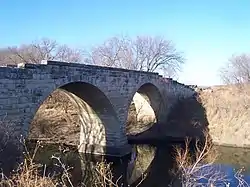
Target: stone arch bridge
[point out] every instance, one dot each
(102, 94)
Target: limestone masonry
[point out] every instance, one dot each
(103, 94)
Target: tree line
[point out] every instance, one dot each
(236, 70)
(144, 53)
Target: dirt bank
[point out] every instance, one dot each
(228, 113)
(56, 120)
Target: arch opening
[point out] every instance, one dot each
(145, 109)
(77, 113)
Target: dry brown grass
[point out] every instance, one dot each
(27, 175)
(197, 168)
(32, 174)
(228, 113)
(56, 120)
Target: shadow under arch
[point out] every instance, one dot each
(96, 116)
(97, 124)
(158, 172)
(189, 116)
(145, 108)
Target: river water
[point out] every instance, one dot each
(155, 165)
(158, 164)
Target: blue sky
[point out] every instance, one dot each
(207, 32)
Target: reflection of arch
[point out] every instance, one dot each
(159, 169)
(158, 172)
(98, 119)
(146, 107)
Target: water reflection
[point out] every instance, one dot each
(157, 165)
(154, 165)
(157, 162)
(225, 175)
(234, 157)
(144, 156)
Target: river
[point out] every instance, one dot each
(157, 163)
(154, 165)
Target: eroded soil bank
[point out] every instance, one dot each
(228, 113)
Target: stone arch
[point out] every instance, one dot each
(145, 108)
(97, 118)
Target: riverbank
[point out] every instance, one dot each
(231, 145)
(227, 110)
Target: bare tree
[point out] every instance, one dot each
(143, 53)
(199, 168)
(237, 70)
(44, 49)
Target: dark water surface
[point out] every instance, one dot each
(155, 167)
(158, 163)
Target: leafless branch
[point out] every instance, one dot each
(142, 53)
(44, 49)
(192, 171)
(237, 70)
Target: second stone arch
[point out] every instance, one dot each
(145, 109)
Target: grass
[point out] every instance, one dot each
(33, 174)
(228, 114)
(56, 120)
(198, 169)
(191, 169)
(28, 175)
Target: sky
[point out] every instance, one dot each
(208, 32)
